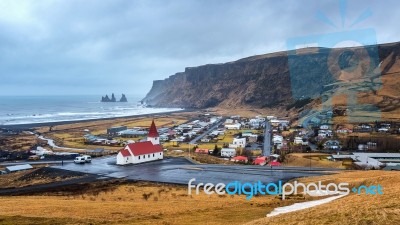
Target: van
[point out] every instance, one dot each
(87, 158)
(79, 160)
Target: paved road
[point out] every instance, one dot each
(194, 141)
(267, 139)
(180, 171)
(39, 162)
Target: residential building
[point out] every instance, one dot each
(238, 143)
(228, 152)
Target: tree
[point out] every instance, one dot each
(216, 150)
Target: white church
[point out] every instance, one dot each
(140, 152)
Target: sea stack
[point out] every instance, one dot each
(113, 99)
(105, 99)
(123, 98)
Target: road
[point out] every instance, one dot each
(267, 139)
(310, 132)
(180, 171)
(196, 139)
(39, 162)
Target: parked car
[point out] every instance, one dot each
(34, 157)
(87, 158)
(79, 160)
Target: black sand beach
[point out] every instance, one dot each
(30, 126)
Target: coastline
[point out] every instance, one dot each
(30, 126)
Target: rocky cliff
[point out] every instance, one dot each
(278, 79)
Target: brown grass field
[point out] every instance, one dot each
(147, 203)
(315, 159)
(127, 204)
(352, 209)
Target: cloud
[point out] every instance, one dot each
(95, 47)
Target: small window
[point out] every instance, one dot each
(144, 156)
(139, 156)
(153, 155)
(160, 153)
(148, 155)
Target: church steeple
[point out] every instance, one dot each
(153, 135)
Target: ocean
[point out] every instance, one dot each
(43, 109)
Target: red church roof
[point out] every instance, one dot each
(146, 147)
(153, 130)
(125, 153)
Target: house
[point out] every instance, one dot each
(344, 130)
(11, 169)
(324, 127)
(228, 152)
(205, 140)
(140, 152)
(278, 141)
(383, 130)
(332, 145)
(260, 118)
(242, 159)
(253, 138)
(298, 140)
(201, 151)
(115, 130)
(238, 143)
(262, 160)
(164, 137)
(228, 121)
(235, 126)
(274, 163)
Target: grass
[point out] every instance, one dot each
(71, 135)
(317, 160)
(136, 204)
(352, 209)
(19, 142)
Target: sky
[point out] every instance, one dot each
(94, 47)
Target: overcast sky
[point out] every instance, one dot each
(121, 46)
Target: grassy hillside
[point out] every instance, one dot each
(352, 209)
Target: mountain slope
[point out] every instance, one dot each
(281, 79)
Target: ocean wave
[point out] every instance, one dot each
(77, 116)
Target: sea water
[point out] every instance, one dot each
(43, 109)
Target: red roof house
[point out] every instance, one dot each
(262, 160)
(201, 151)
(240, 159)
(275, 163)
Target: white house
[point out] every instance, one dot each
(298, 140)
(140, 152)
(235, 126)
(228, 121)
(228, 152)
(278, 141)
(238, 143)
(260, 118)
(324, 127)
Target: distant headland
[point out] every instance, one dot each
(113, 99)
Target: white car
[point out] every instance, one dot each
(79, 160)
(87, 158)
